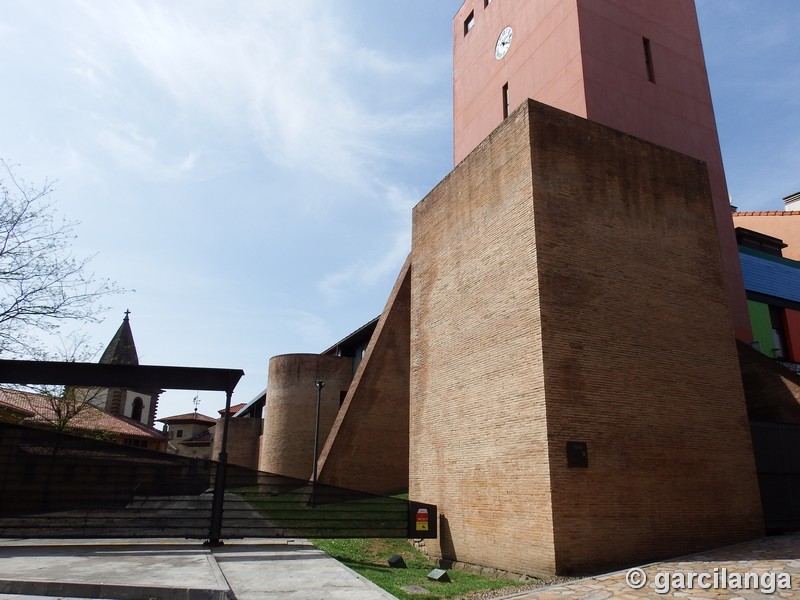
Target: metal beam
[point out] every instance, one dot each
(126, 376)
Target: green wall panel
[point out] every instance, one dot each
(762, 326)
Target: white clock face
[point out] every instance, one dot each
(503, 42)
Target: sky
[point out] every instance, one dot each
(246, 169)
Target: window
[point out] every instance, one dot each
(506, 103)
(469, 22)
(136, 410)
(648, 60)
(778, 335)
(179, 433)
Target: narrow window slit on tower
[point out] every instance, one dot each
(648, 60)
(506, 104)
(469, 22)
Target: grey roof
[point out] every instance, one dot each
(122, 349)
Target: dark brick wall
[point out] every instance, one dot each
(772, 391)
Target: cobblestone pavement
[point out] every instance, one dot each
(765, 565)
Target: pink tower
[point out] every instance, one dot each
(634, 65)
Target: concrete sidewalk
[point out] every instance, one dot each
(176, 570)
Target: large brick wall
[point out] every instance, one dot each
(367, 448)
(478, 428)
(566, 286)
(287, 443)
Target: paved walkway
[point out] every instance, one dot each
(176, 570)
(295, 570)
(767, 563)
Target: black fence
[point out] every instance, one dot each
(62, 486)
(777, 452)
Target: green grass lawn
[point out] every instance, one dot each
(368, 558)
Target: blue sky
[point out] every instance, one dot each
(248, 167)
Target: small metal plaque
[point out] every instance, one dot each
(577, 455)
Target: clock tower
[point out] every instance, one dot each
(634, 65)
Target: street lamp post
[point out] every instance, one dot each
(320, 384)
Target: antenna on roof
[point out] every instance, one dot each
(196, 401)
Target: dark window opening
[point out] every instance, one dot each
(778, 334)
(179, 433)
(138, 407)
(648, 60)
(469, 22)
(506, 103)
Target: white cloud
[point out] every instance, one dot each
(289, 73)
(309, 329)
(386, 264)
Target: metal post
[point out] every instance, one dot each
(320, 384)
(215, 531)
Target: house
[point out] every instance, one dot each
(189, 434)
(772, 284)
(39, 410)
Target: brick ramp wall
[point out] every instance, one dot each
(367, 448)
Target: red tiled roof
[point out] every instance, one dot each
(24, 412)
(767, 213)
(234, 409)
(192, 417)
(90, 418)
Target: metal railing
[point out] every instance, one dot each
(792, 366)
(56, 485)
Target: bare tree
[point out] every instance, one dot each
(58, 405)
(42, 284)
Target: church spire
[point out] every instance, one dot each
(122, 349)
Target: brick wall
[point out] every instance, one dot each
(640, 356)
(367, 448)
(243, 441)
(772, 391)
(287, 443)
(567, 286)
(478, 429)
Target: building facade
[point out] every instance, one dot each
(636, 66)
(189, 434)
(772, 283)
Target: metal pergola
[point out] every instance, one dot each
(29, 372)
